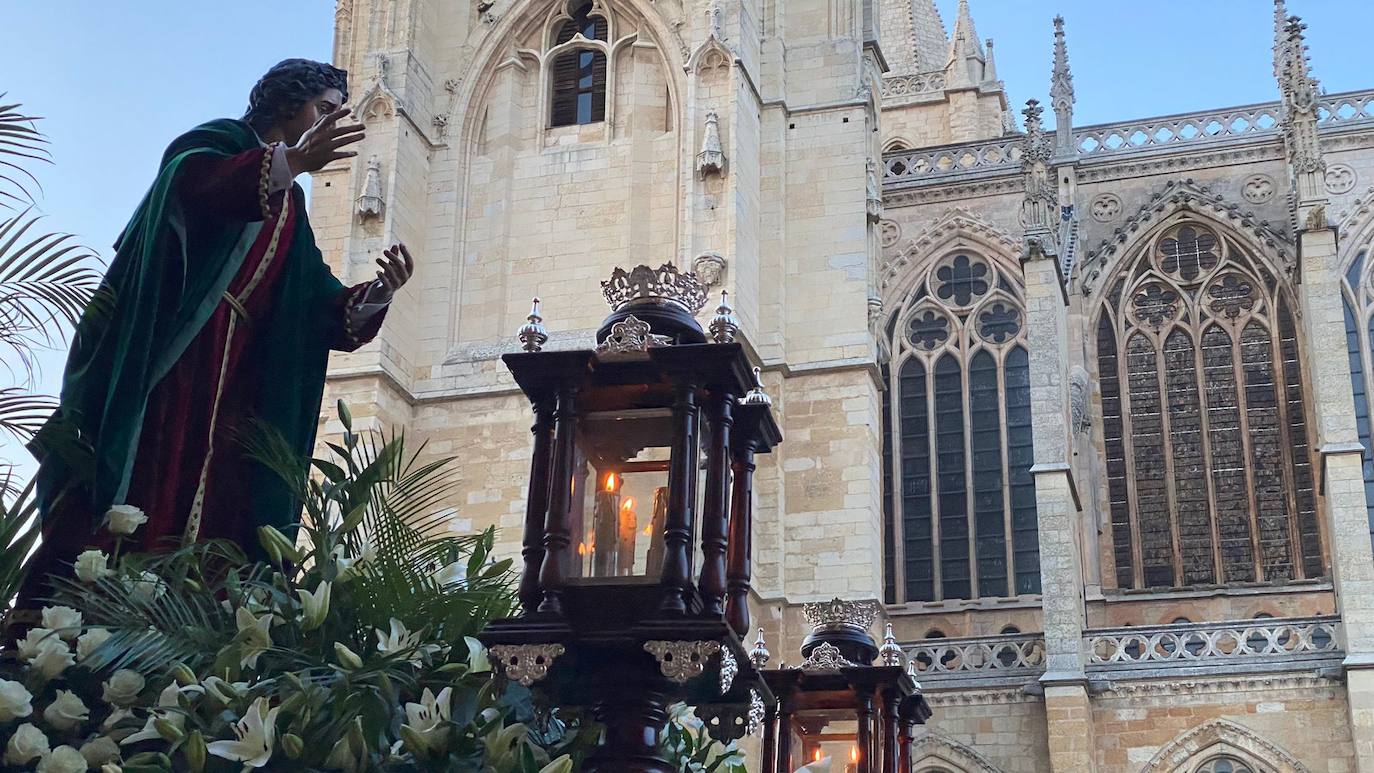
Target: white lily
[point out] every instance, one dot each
(430, 711)
(350, 565)
(166, 700)
(398, 641)
(451, 574)
(478, 661)
(254, 736)
(255, 636)
(316, 606)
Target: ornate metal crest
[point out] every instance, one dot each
(729, 668)
(631, 335)
(679, 661)
(526, 663)
(826, 657)
(841, 613)
(756, 712)
(644, 285)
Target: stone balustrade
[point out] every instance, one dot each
(901, 89)
(1009, 658)
(1279, 644)
(947, 160)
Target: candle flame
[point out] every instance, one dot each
(818, 755)
(582, 548)
(628, 504)
(611, 482)
(649, 530)
(854, 754)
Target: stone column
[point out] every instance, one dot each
(1347, 527)
(1067, 709)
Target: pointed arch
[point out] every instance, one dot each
(897, 144)
(1222, 737)
(1175, 198)
(959, 499)
(1200, 370)
(1357, 302)
(936, 751)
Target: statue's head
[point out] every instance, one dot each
(293, 95)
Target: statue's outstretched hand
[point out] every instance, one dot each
(396, 268)
(323, 143)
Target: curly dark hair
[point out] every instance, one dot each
(287, 86)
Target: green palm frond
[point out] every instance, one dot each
(23, 414)
(20, 141)
(18, 532)
(46, 281)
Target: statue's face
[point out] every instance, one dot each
(311, 112)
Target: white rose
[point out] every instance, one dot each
(27, 744)
(64, 620)
(15, 701)
(53, 657)
(35, 637)
(92, 565)
(123, 687)
(99, 751)
(87, 642)
(124, 519)
(147, 588)
(66, 712)
(64, 759)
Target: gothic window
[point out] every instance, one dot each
(579, 74)
(1208, 460)
(1225, 764)
(959, 496)
(1358, 301)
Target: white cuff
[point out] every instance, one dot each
(279, 176)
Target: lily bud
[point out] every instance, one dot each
(169, 732)
(292, 745)
(195, 751)
(414, 740)
(347, 657)
(356, 743)
(284, 548)
(183, 674)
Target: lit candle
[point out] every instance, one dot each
(605, 525)
(654, 564)
(629, 528)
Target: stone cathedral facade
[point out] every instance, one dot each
(1087, 407)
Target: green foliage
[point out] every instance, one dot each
(689, 746)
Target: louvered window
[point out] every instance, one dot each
(959, 496)
(1208, 461)
(579, 75)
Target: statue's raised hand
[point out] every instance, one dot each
(323, 143)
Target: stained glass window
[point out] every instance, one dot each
(1208, 460)
(959, 494)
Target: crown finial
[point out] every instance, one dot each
(890, 652)
(662, 286)
(759, 655)
(757, 396)
(532, 334)
(724, 326)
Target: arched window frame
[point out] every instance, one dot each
(1357, 305)
(1274, 308)
(611, 48)
(963, 344)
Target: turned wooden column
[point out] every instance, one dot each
(537, 506)
(716, 510)
(904, 742)
(682, 476)
(865, 741)
(553, 573)
(785, 739)
(741, 538)
(890, 730)
(769, 750)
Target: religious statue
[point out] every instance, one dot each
(217, 314)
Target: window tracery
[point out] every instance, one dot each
(1208, 458)
(961, 502)
(579, 71)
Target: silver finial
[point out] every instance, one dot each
(532, 334)
(756, 396)
(724, 325)
(759, 655)
(890, 652)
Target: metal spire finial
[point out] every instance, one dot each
(532, 334)
(759, 655)
(756, 396)
(724, 325)
(890, 652)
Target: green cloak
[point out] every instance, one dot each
(169, 273)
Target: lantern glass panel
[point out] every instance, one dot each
(829, 734)
(620, 494)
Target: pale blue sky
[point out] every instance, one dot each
(116, 81)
